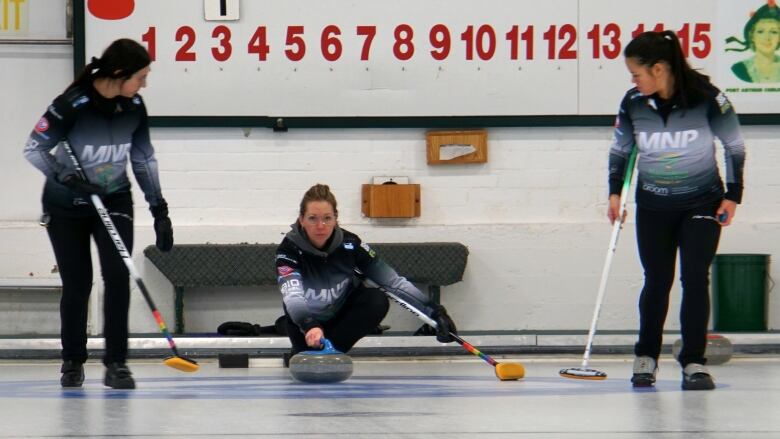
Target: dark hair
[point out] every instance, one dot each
(650, 48)
(319, 192)
(769, 11)
(120, 60)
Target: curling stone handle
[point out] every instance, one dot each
(327, 347)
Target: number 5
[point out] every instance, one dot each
(700, 32)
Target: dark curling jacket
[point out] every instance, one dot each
(315, 283)
(103, 134)
(677, 169)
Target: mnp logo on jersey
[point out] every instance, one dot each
(111, 9)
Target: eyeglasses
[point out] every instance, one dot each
(325, 220)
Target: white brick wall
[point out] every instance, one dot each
(532, 217)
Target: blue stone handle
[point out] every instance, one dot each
(327, 347)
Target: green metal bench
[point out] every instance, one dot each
(435, 264)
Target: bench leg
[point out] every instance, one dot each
(179, 309)
(434, 293)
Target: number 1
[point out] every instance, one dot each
(151, 42)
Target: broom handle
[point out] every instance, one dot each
(610, 253)
(424, 317)
(105, 217)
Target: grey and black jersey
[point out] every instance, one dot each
(104, 134)
(677, 168)
(315, 283)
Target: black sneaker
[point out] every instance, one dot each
(72, 374)
(645, 369)
(697, 377)
(118, 376)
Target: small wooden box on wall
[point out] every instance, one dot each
(391, 200)
(453, 140)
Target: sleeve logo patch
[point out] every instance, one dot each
(286, 258)
(81, 100)
(284, 270)
(368, 249)
(723, 102)
(42, 125)
(53, 110)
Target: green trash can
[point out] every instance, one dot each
(739, 292)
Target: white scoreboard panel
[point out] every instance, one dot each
(409, 58)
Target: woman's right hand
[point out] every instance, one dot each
(313, 337)
(613, 211)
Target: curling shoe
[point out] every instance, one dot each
(118, 376)
(696, 377)
(72, 374)
(645, 369)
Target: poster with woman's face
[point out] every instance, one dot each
(748, 61)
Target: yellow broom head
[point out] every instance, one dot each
(581, 373)
(510, 371)
(182, 364)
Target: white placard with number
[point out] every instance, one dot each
(408, 58)
(221, 10)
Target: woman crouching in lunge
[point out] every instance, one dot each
(318, 266)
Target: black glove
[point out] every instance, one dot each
(162, 226)
(444, 325)
(81, 186)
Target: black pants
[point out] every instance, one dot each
(70, 238)
(695, 233)
(362, 313)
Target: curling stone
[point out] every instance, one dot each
(719, 349)
(326, 365)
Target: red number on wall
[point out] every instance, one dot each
(295, 38)
(331, 46)
(568, 33)
(258, 44)
(222, 53)
(150, 38)
(187, 35)
(612, 48)
(702, 45)
(440, 41)
(641, 28)
(684, 36)
(369, 32)
(403, 48)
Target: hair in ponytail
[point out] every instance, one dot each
(120, 60)
(319, 192)
(650, 48)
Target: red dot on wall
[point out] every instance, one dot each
(111, 9)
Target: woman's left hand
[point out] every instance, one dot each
(726, 212)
